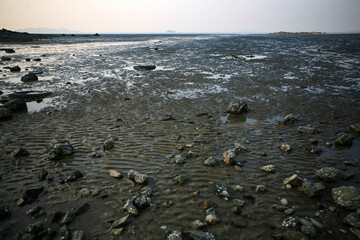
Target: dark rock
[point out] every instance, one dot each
(312, 189)
(192, 154)
(31, 193)
(130, 207)
(222, 191)
(347, 197)
(211, 161)
(142, 202)
(344, 140)
(294, 181)
(82, 209)
(30, 95)
(181, 179)
(307, 228)
(65, 233)
(179, 159)
(313, 149)
(123, 221)
(68, 218)
(5, 58)
(37, 59)
(28, 59)
(289, 222)
(200, 235)
(327, 174)
(20, 152)
(42, 173)
(175, 235)
(145, 67)
(289, 119)
(355, 127)
(306, 129)
(108, 144)
(56, 216)
(240, 222)
(285, 147)
(146, 191)
(10, 50)
(74, 175)
(353, 220)
(294, 235)
(16, 105)
(30, 77)
(60, 150)
(33, 211)
(238, 107)
(15, 69)
(137, 177)
(4, 212)
(5, 114)
(35, 228)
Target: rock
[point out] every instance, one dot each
(289, 222)
(198, 224)
(179, 159)
(9, 50)
(238, 188)
(307, 228)
(284, 202)
(352, 219)
(5, 114)
(289, 119)
(37, 59)
(313, 149)
(222, 191)
(108, 144)
(115, 174)
(118, 231)
(327, 174)
(285, 147)
(4, 212)
(230, 57)
(180, 148)
(65, 233)
(316, 223)
(84, 192)
(306, 129)
(181, 179)
(268, 168)
(355, 127)
(211, 161)
(294, 235)
(16, 105)
(229, 157)
(240, 222)
(5, 58)
(20, 152)
(31, 193)
(289, 211)
(145, 67)
(238, 202)
(312, 189)
(347, 196)
(35, 228)
(15, 69)
(238, 107)
(78, 235)
(74, 175)
(61, 149)
(175, 235)
(82, 209)
(192, 154)
(30, 77)
(33, 211)
(344, 140)
(137, 177)
(146, 191)
(356, 232)
(28, 59)
(130, 207)
(260, 188)
(212, 219)
(238, 169)
(294, 181)
(210, 211)
(95, 155)
(123, 221)
(42, 173)
(236, 210)
(200, 235)
(240, 147)
(142, 201)
(68, 218)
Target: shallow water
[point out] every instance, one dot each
(90, 79)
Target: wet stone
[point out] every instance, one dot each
(312, 189)
(229, 157)
(289, 119)
(175, 235)
(78, 235)
(294, 180)
(137, 177)
(130, 207)
(355, 127)
(211, 161)
(347, 196)
(65, 233)
(240, 147)
(30, 77)
(108, 144)
(115, 174)
(344, 140)
(212, 219)
(307, 228)
(95, 155)
(42, 174)
(198, 224)
(82, 209)
(192, 154)
(179, 159)
(289, 211)
(15, 69)
(118, 231)
(123, 221)
(20, 152)
(200, 235)
(33, 211)
(142, 201)
(68, 218)
(285, 147)
(16, 105)
(238, 107)
(222, 191)
(268, 168)
(327, 174)
(210, 211)
(147, 190)
(74, 175)
(306, 129)
(289, 222)
(84, 192)
(352, 219)
(181, 179)
(60, 150)
(35, 228)
(313, 149)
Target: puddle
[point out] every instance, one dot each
(274, 119)
(36, 106)
(158, 68)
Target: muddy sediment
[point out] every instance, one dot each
(181, 107)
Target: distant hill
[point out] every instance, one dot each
(49, 30)
(170, 31)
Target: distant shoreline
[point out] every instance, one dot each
(7, 36)
(306, 33)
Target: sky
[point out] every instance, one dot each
(192, 16)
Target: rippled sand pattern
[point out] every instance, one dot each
(107, 99)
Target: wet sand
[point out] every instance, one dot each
(132, 110)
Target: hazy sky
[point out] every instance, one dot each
(182, 15)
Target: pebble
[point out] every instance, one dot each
(181, 179)
(229, 157)
(289, 211)
(108, 144)
(284, 202)
(238, 169)
(212, 219)
(268, 168)
(179, 159)
(115, 174)
(260, 188)
(139, 178)
(285, 147)
(175, 235)
(238, 188)
(198, 224)
(211, 161)
(95, 155)
(123, 221)
(84, 192)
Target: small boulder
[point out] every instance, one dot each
(108, 144)
(61, 149)
(74, 175)
(145, 67)
(181, 179)
(179, 159)
(5, 58)
(15, 69)
(347, 197)
(312, 189)
(130, 207)
(229, 157)
(294, 181)
(123, 221)
(285, 147)
(327, 174)
(200, 235)
(115, 174)
(30, 77)
(211, 161)
(20, 152)
(238, 107)
(306, 129)
(289, 119)
(352, 219)
(35, 228)
(268, 168)
(16, 105)
(5, 114)
(137, 177)
(344, 140)
(212, 219)
(355, 127)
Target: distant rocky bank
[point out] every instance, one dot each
(7, 36)
(298, 33)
